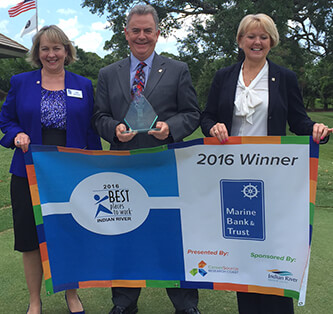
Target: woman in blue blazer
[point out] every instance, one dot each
(256, 97)
(49, 106)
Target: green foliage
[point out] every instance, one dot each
(305, 29)
(89, 64)
(205, 78)
(214, 22)
(10, 67)
(318, 81)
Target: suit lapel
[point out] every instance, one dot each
(34, 101)
(229, 90)
(233, 84)
(273, 84)
(123, 72)
(157, 71)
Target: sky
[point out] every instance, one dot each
(85, 29)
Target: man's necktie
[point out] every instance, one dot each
(139, 80)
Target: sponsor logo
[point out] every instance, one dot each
(200, 270)
(243, 209)
(280, 275)
(203, 269)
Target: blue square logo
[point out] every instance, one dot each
(243, 209)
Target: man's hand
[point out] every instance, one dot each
(124, 137)
(162, 131)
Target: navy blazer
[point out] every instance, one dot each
(21, 113)
(169, 90)
(285, 102)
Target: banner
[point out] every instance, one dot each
(196, 214)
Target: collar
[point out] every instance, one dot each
(135, 61)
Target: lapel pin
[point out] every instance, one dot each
(273, 79)
(160, 70)
(38, 82)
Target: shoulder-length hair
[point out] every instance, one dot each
(258, 20)
(53, 34)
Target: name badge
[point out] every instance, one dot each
(74, 93)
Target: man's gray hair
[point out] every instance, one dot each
(142, 9)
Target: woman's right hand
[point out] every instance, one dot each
(220, 131)
(22, 141)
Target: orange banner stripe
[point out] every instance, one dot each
(314, 169)
(266, 290)
(46, 270)
(31, 174)
(43, 252)
(231, 287)
(34, 194)
(95, 284)
(129, 283)
(261, 140)
(93, 152)
(211, 141)
(313, 190)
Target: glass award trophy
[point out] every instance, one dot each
(140, 116)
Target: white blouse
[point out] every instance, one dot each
(251, 106)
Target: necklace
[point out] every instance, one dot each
(245, 78)
(252, 76)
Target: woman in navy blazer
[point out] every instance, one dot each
(49, 106)
(256, 97)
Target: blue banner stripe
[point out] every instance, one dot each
(40, 233)
(199, 141)
(196, 285)
(314, 149)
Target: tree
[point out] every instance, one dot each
(10, 67)
(89, 64)
(305, 29)
(325, 77)
(215, 22)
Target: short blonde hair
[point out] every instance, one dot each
(56, 35)
(255, 21)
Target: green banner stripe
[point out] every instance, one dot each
(162, 284)
(312, 210)
(49, 286)
(149, 150)
(295, 140)
(38, 214)
(291, 294)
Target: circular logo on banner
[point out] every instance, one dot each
(109, 203)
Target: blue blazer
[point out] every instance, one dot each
(285, 101)
(21, 113)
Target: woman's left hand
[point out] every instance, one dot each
(320, 131)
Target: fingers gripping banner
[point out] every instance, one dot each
(196, 214)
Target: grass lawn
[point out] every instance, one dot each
(14, 295)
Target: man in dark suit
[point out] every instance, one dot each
(168, 87)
